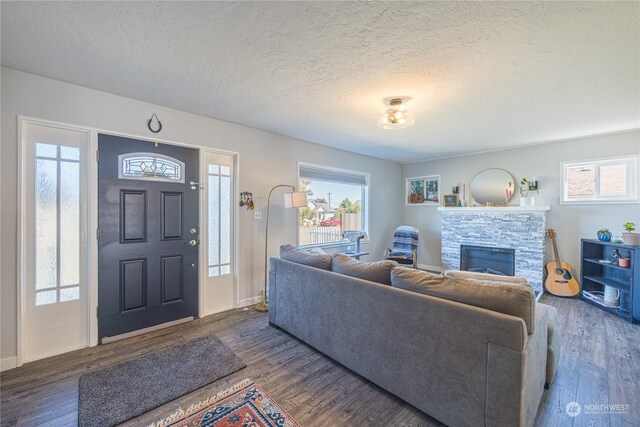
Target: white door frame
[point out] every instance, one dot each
(92, 223)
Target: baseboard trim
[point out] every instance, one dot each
(8, 363)
(249, 301)
(431, 268)
(107, 340)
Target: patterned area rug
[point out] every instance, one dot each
(244, 404)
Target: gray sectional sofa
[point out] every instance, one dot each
(462, 364)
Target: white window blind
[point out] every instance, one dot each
(316, 173)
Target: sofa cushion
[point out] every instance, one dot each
(485, 276)
(379, 271)
(303, 256)
(512, 299)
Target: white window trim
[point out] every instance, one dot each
(632, 181)
(364, 203)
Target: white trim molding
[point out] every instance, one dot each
(8, 363)
(494, 209)
(249, 301)
(430, 268)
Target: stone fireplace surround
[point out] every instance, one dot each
(520, 228)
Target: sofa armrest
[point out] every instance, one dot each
(553, 340)
(517, 378)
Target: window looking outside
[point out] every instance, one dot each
(336, 202)
(600, 181)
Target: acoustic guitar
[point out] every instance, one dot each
(559, 280)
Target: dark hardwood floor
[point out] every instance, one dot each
(600, 365)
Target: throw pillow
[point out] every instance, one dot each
(379, 271)
(512, 299)
(303, 256)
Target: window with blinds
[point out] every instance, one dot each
(337, 202)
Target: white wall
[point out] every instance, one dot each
(266, 159)
(571, 222)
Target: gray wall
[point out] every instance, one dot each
(571, 222)
(266, 159)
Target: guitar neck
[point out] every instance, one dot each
(556, 254)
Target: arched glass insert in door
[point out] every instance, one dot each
(150, 166)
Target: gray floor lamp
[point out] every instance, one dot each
(293, 199)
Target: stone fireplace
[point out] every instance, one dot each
(494, 237)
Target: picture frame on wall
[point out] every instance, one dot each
(423, 191)
(450, 200)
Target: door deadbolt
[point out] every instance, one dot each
(193, 230)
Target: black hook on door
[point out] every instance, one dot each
(157, 120)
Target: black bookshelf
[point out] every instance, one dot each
(595, 275)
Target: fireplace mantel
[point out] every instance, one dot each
(495, 209)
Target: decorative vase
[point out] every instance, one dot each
(525, 201)
(532, 201)
(631, 238)
(604, 235)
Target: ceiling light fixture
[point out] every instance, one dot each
(396, 116)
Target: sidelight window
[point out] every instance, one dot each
(57, 223)
(219, 213)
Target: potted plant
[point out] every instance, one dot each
(525, 187)
(604, 235)
(630, 237)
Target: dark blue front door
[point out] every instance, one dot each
(148, 234)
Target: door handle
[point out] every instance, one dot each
(192, 242)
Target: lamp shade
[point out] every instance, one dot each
(296, 199)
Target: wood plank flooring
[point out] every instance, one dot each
(600, 365)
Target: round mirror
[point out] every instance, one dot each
(492, 187)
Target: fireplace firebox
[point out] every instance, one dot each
(483, 259)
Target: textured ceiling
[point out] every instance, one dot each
(482, 75)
